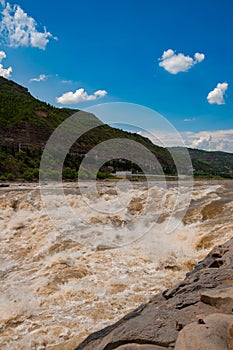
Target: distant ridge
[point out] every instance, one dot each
(26, 123)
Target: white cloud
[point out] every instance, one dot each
(80, 95)
(19, 29)
(100, 93)
(199, 56)
(4, 72)
(164, 138)
(216, 96)
(176, 63)
(220, 140)
(187, 120)
(66, 81)
(42, 77)
(2, 55)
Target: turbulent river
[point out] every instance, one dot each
(65, 275)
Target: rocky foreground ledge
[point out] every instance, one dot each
(196, 314)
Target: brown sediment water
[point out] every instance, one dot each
(58, 286)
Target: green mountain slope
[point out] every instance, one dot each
(27, 123)
(206, 163)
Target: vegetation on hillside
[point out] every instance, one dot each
(26, 123)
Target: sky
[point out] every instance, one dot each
(175, 57)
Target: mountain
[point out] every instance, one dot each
(26, 124)
(209, 163)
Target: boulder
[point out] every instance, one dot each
(215, 332)
(221, 298)
(205, 291)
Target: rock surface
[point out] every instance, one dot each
(140, 347)
(214, 333)
(197, 311)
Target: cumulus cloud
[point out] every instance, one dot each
(19, 29)
(216, 96)
(42, 77)
(4, 72)
(80, 95)
(220, 140)
(176, 63)
(199, 56)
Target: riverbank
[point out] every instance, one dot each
(194, 314)
(55, 287)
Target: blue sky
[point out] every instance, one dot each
(105, 51)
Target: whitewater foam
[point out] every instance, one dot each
(62, 281)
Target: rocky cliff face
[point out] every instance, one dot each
(195, 314)
(25, 134)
